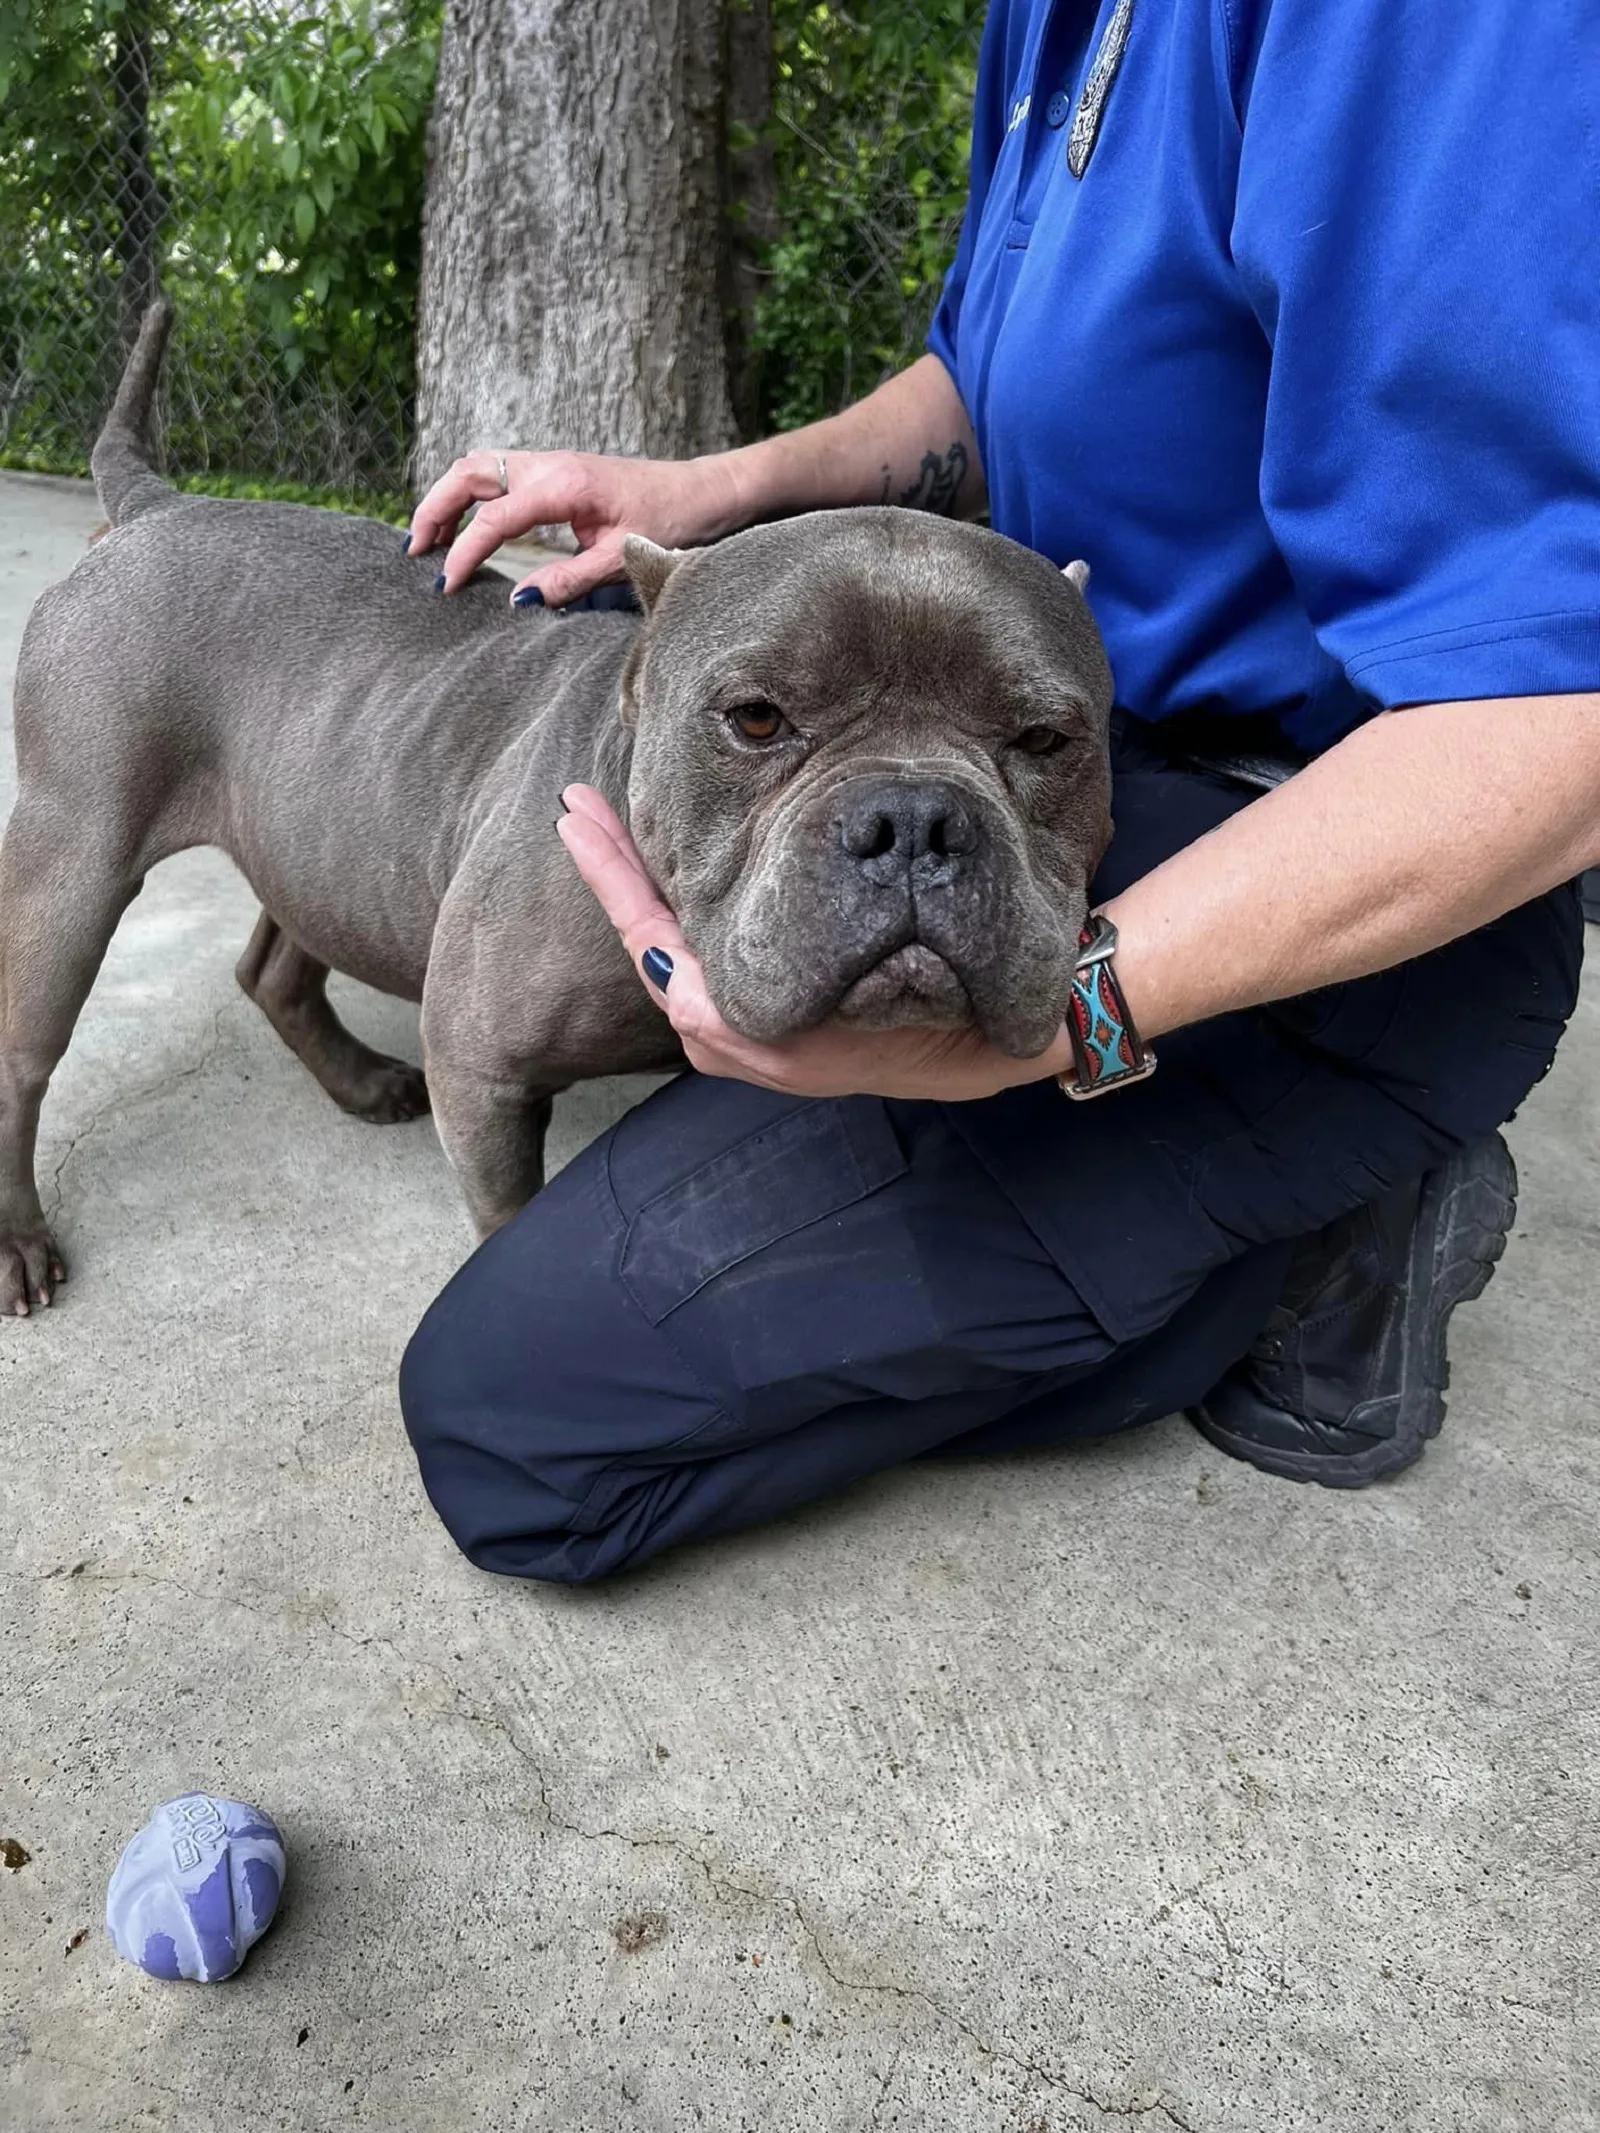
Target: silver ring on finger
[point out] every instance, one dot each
(500, 462)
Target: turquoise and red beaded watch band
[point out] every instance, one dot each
(1106, 1047)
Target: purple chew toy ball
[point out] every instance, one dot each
(196, 1888)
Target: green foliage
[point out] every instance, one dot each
(289, 154)
(871, 133)
(287, 149)
(48, 50)
(300, 145)
(55, 78)
(364, 503)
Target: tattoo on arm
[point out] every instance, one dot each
(938, 482)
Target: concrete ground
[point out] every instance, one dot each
(1125, 1787)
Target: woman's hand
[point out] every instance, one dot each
(882, 447)
(679, 504)
(945, 1066)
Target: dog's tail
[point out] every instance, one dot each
(120, 462)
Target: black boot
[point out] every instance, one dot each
(1346, 1383)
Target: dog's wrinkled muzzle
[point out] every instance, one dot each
(905, 904)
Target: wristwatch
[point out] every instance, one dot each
(1106, 1048)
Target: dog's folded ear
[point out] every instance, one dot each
(1077, 574)
(649, 567)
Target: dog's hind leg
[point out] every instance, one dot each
(289, 987)
(60, 899)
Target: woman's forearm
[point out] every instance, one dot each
(1420, 826)
(910, 442)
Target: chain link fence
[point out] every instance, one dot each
(264, 166)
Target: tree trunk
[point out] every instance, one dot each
(572, 234)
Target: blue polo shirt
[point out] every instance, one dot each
(1307, 361)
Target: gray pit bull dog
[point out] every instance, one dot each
(863, 752)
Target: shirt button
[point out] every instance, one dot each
(1056, 111)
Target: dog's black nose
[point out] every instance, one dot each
(889, 825)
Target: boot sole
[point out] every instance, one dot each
(1460, 1236)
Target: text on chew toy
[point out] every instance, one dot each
(199, 1829)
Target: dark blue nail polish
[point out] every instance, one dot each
(405, 545)
(438, 583)
(528, 596)
(657, 967)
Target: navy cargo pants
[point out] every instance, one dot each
(735, 1303)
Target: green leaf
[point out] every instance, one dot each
(305, 216)
(289, 158)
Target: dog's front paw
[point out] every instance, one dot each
(31, 1268)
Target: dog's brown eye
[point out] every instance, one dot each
(758, 721)
(1039, 740)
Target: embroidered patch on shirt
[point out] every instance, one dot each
(1096, 88)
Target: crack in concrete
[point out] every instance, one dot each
(1231, 1949)
(310, 1426)
(1202, 1902)
(50, 2054)
(870, 2121)
(130, 1099)
(722, 1884)
(84, 1697)
(1547, 2014)
(1277, 1979)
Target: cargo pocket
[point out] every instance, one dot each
(758, 1263)
(810, 1163)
